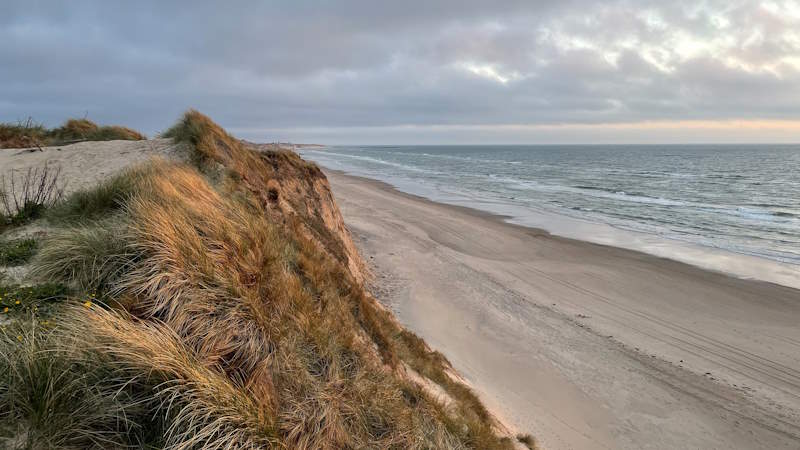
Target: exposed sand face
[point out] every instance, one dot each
(86, 163)
(583, 345)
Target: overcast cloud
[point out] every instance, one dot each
(412, 71)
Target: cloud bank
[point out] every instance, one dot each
(413, 71)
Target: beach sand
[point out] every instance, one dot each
(583, 345)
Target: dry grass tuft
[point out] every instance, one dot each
(22, 134)
(53, 394)
(198, 404)
(76, 130)
(28, 133)
(104, 380)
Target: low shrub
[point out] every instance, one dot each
(25, 195)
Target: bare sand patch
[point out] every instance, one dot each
(87, 163)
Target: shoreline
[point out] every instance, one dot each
(728, 261)
(698, 253)
(584, 345)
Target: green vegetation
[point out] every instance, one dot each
(88, 258)
(31, 134)
(28, 212)
(16, 252)
(229, 318)
(25, 301)
(95, 203)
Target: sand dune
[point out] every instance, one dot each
(586, 346)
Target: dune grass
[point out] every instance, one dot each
(22, 134)
(86, 130)
(57, 395)
(28, 133)
(86, 257)
(233, 321)
(97, 202)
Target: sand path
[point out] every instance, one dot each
(583, 345)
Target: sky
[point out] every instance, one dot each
(413, 71)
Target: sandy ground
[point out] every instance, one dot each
(86, 163)
(585, 346)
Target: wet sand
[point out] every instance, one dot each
(585, 345)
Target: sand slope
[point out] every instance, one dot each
(585, 346)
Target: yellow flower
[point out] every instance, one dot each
(87, 304)
(19, 337)
(16, 302)
(5, 310)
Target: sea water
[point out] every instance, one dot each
(738, 198)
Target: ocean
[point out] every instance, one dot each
(738, 198)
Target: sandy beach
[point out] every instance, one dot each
(583, 345)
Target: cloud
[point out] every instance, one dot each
(290, 68)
